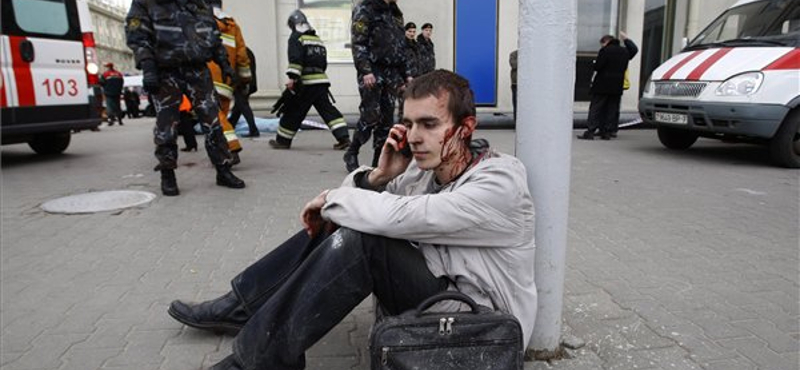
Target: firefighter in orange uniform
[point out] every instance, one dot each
(237, 57)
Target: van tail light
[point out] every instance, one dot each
(92, 66)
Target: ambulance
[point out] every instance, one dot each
(49, 67)
(738, 80)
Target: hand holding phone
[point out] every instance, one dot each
(405, 149)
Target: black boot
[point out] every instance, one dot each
(226, 178)
(586, 135)
(169, 185)
(223, 314)
(228, 363)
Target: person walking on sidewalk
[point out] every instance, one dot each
(112, 82)
(458, 216)
(606, 90)
(171, 41)
(378, 41)
(241, 99)
(308, 60)
(233, 41)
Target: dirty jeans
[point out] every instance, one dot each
(302, 289)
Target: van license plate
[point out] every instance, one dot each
(673, 118)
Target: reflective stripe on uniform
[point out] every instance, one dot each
(286, 133)
(314, 79)
(230, 136)
(228, 40)
(244, 72)
(337, 123)
(223, 89)
(295, 69)
(311, 40)
(160, 27)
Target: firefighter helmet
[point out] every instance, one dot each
(297, 18)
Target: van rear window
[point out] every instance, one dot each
(47, 17)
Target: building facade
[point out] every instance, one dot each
(473, 38)
(108, 19)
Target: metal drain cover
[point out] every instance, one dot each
(100, 201)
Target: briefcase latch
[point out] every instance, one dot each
(446, 325)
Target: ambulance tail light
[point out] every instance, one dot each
(92, 66)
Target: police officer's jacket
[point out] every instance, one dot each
(308, 58)
(427, 56)
(173, 33)
(378, 37)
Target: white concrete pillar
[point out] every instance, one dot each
(546, 79)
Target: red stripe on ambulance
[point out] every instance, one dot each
(789, 61)
(22, 74)
(680, 64)
(703, 67)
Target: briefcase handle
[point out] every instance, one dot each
(445, 296)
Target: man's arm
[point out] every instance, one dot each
(139, 32)
(360, 31)
(471, 215)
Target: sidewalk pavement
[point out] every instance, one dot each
(676, 260)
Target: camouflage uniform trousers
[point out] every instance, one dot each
(377, 111)
(196, 83)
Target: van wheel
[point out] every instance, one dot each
(675, 138)
(785, 145)
(53, 143)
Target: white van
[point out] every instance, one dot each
(738, 80)
(49, 64)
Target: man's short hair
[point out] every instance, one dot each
(606, 39)
(427, 25)
(461, 99)
(411, 25)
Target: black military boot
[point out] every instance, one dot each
(169, 185)
(223, 314)
(226, 178)
(228, 363)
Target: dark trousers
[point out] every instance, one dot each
(241, 106)
(377, 111)
(604, 113)
(296, 109)
(186, 129)
(514, 100)
(196, 83)
(302, 289)
(113, 109)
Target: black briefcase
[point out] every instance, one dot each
(478, 339)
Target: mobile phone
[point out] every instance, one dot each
(405, 149)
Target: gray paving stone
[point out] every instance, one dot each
(655, 237)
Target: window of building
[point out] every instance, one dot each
(331, 19)
(595, 19)
(42, 16)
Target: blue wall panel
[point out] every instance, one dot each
(476, 47)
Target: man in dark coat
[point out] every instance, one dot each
(606, 90)
(427, 57)
(378, 41)
(112, 82)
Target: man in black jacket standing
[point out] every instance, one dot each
(606, 90)
(378, 41)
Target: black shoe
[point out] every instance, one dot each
(235, 158)
(613, 135)
(342, 144)
(586, 135)
(169, 185)
(228, 363)
(275, 144)
(189, 149)
(226, 178)
(223, 314)
(605, 136)
(254, 134)
(350, 161)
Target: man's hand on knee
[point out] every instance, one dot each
(311, 216)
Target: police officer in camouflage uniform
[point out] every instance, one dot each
(172, 40)
(427, 56)
(378, 41)
(308, 60)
